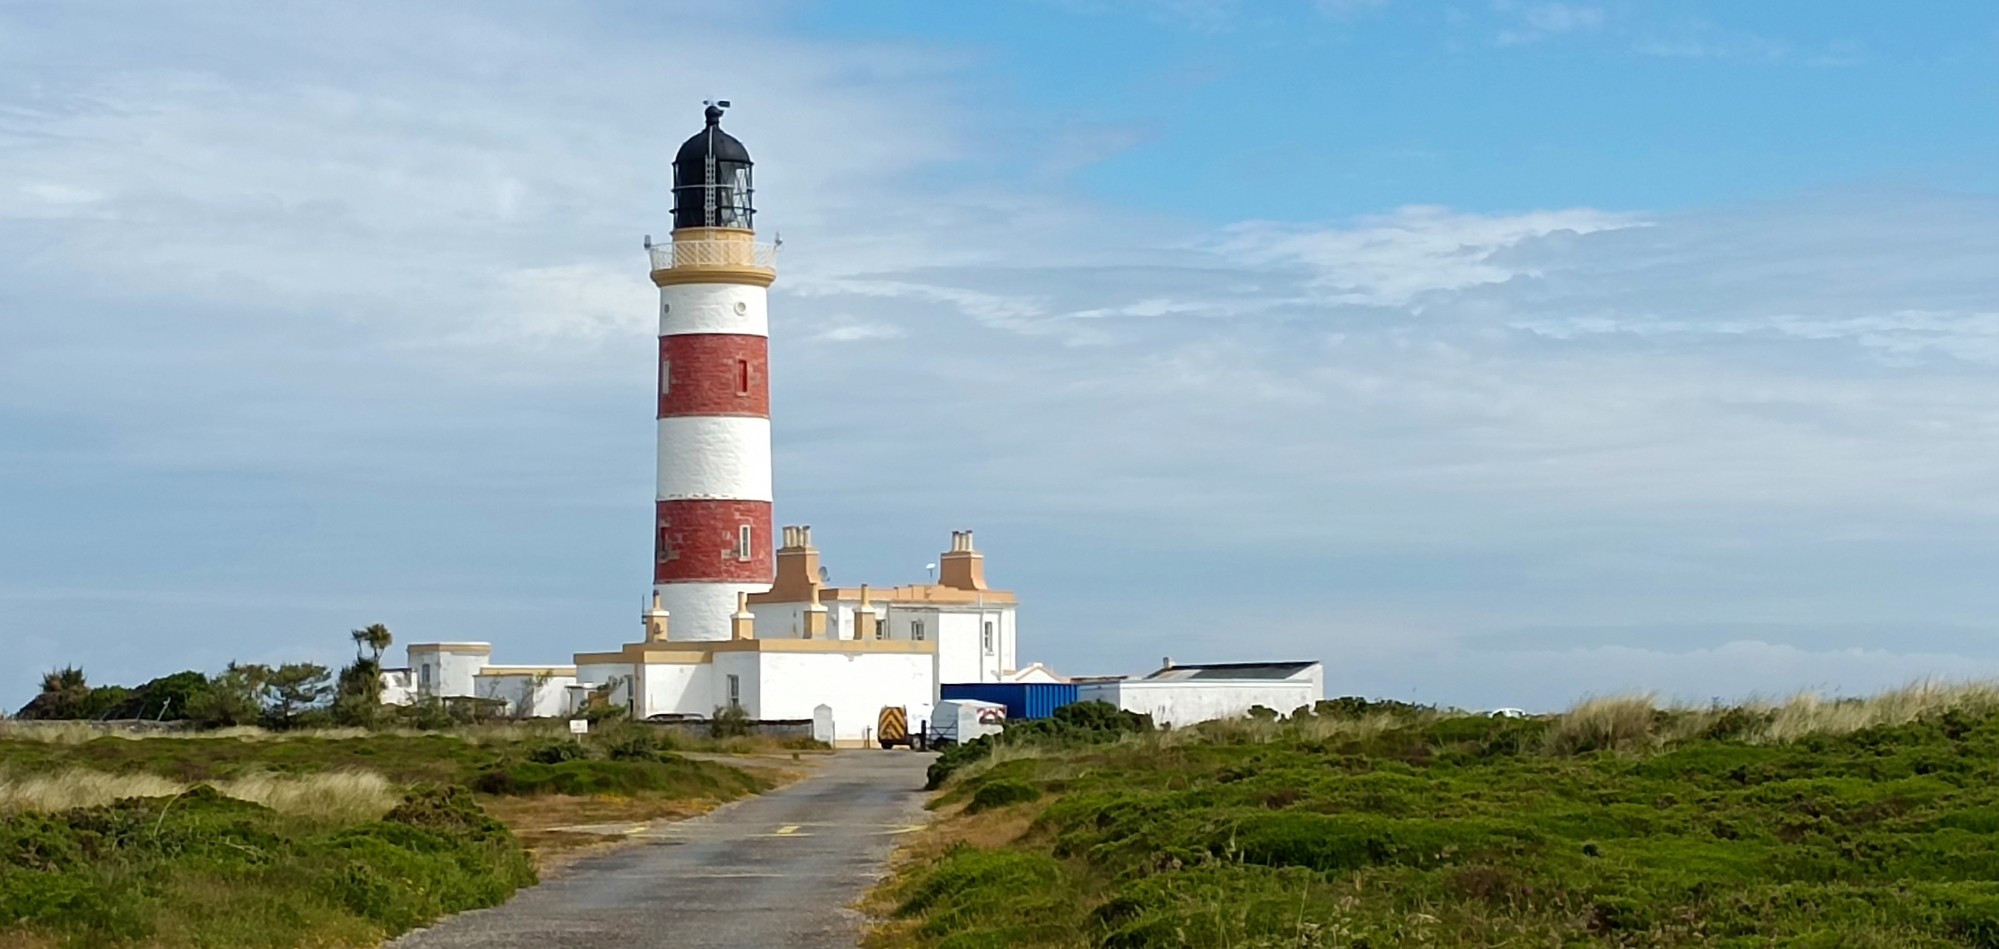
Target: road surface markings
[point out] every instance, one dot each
(787, 829)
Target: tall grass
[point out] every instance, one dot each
(1637, 722)
(1605, 723)
(332, 796)
(1810, 714)
(70, 732)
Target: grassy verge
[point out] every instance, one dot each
(1871, 823)
(201, 868)
(337, 839)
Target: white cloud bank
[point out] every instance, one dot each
(348, 306)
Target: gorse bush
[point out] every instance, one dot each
(556, 752)
(667, 776)
(1080, 723)
(994, 794)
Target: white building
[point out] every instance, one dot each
(791, 649)
(1186, 694)
(803, 644)
(734, 623)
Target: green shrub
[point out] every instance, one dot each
(239, 874)
(556, 752)
(668, 775)
(992, 794)
(1079, 723)
(1700, 829)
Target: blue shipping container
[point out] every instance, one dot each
(1022, 699)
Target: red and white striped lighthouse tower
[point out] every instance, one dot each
(712, 526)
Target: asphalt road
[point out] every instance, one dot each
(780, 869)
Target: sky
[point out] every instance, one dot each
(1494, 352)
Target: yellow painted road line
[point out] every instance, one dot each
(788, 829)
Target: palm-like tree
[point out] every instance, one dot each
(375, 636)
(66, 680)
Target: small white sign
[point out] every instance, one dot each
(579, 726)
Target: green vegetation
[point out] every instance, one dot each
(252, 838)
(1852, 823)
(203, 868)
(1075, 725)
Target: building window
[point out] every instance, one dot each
(735, 691)
(743, 539)
(881, 630)
(916, 631)
(425, 671)
(989, 637)
(665, 376)
(742, 377)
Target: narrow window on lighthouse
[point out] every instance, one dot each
(743, 538)
(742, 377)
(665, 376)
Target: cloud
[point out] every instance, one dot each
(849, 330)
(348, 309)
(1392, 259)
(1531, 22)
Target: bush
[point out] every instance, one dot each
(669, 775)
(730, 722)
(1872, 826)
(205, 868)
(1354, 707)
(556, 752)
(1079, 723)
(1002, 793)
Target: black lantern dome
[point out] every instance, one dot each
(711, 178)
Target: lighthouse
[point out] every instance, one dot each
(741, 616)
(712, 514)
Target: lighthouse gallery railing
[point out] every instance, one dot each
(679, 255)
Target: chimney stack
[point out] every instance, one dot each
(797, 568)
(743, 624)
(865, 621)
(962, 567)
(655, 620)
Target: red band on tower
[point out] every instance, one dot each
(702, 540)
(714, 374)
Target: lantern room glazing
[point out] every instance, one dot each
(711, 178)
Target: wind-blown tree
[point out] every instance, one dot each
(65, 694)
(375, 637)
(294, 687)
(233, 698)
(166, 698)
